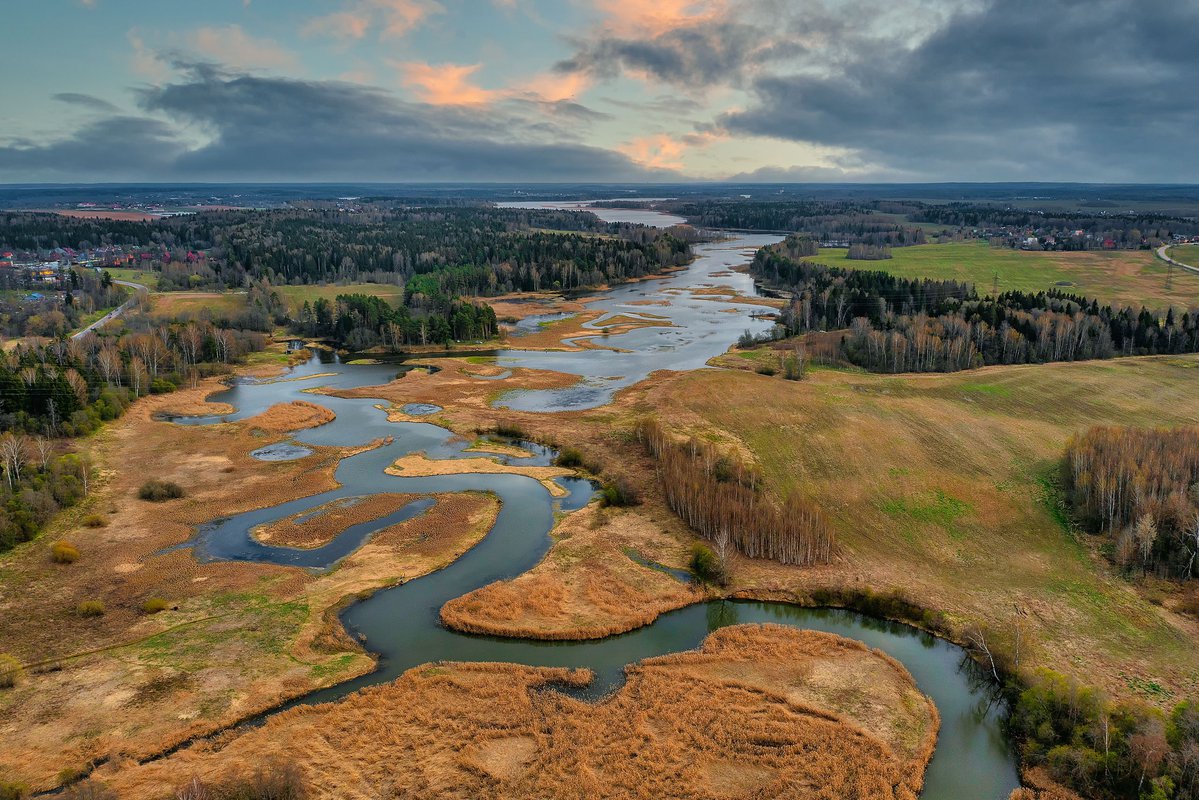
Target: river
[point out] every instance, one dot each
(973, 758)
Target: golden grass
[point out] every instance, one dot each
(319, 526)
(244, 637)
(764, 711)
(585, 588)
(418, 465)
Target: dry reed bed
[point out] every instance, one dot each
(759, 711)
(418, 465)
(239, 637)
(585, 588)
(318, 526)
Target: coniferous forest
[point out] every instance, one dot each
(894, 324)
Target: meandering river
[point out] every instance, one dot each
(401, 624)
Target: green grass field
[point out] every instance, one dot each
(1186, 253)
(1123, 277)
(296, 295)
(145, 277)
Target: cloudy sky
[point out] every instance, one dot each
(599, 90)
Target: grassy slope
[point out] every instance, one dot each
(941, 485)
(1125, 277)
(1187, 254)
(145, 277)
(182, 303)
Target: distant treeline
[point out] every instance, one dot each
(1141, 488)
(719, 498)
(847, 222)
(1126, 231)
(486, 250)
(918, 325)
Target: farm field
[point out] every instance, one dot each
(1120, 277)
(146, 277)
(1186, 253)
(944, 486)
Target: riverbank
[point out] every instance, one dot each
(236, 638)
(753, 709)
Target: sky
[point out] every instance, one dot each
(599, 90)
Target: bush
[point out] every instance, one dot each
(95, 521)
(162, 386)
(154, 605)
(510, 429)
(707, 566)
(90, 608)
(617, 494)
(767, 370)
(569, 457)
(13, 791)
(11, 672)
(157, 491)
(64, 553)
(89, 790)
(276, 781)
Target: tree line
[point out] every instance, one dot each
(894, 324)
(720, 499)
(1140, 488)
(39, 481)
(843, 221)
(360, 322)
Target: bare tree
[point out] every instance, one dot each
(13, 450)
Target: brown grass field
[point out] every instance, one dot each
(318, 526)
(237, 637)
(758, 711)
(586, 588)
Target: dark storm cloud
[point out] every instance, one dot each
(86, 101)
(694, 56)
(109, 149)
(227, 126)
(1055, 89)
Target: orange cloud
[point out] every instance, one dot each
(662, 151)
(659, 16)
(393, 18)
(444, 84)
(656, 152)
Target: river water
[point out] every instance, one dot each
(401, 624)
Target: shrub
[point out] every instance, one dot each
(13, 791)
(766, 369)
(64, 553)
(510, 429)
(154, 605)
(618, 493)
(278, 781)
(162, 386)
(89, 790)
(707, 566)
(11, 672)
(95, 521)
(157, 491)
(569, 457)
(90, 608)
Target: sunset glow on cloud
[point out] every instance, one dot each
(656, 89)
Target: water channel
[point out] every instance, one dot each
(401, 624)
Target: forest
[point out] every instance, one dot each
(1140, 488)
(894, 324)
(840, 221)
(720, 499)
(360, 322)
(492, 250)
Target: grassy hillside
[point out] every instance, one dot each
(1124, 276)
(944, 486)
(1187, 254)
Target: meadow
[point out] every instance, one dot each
(1186, 253)
(946, 487)
(1126, 277)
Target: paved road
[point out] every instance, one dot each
(1161, 253)
(119, 310)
